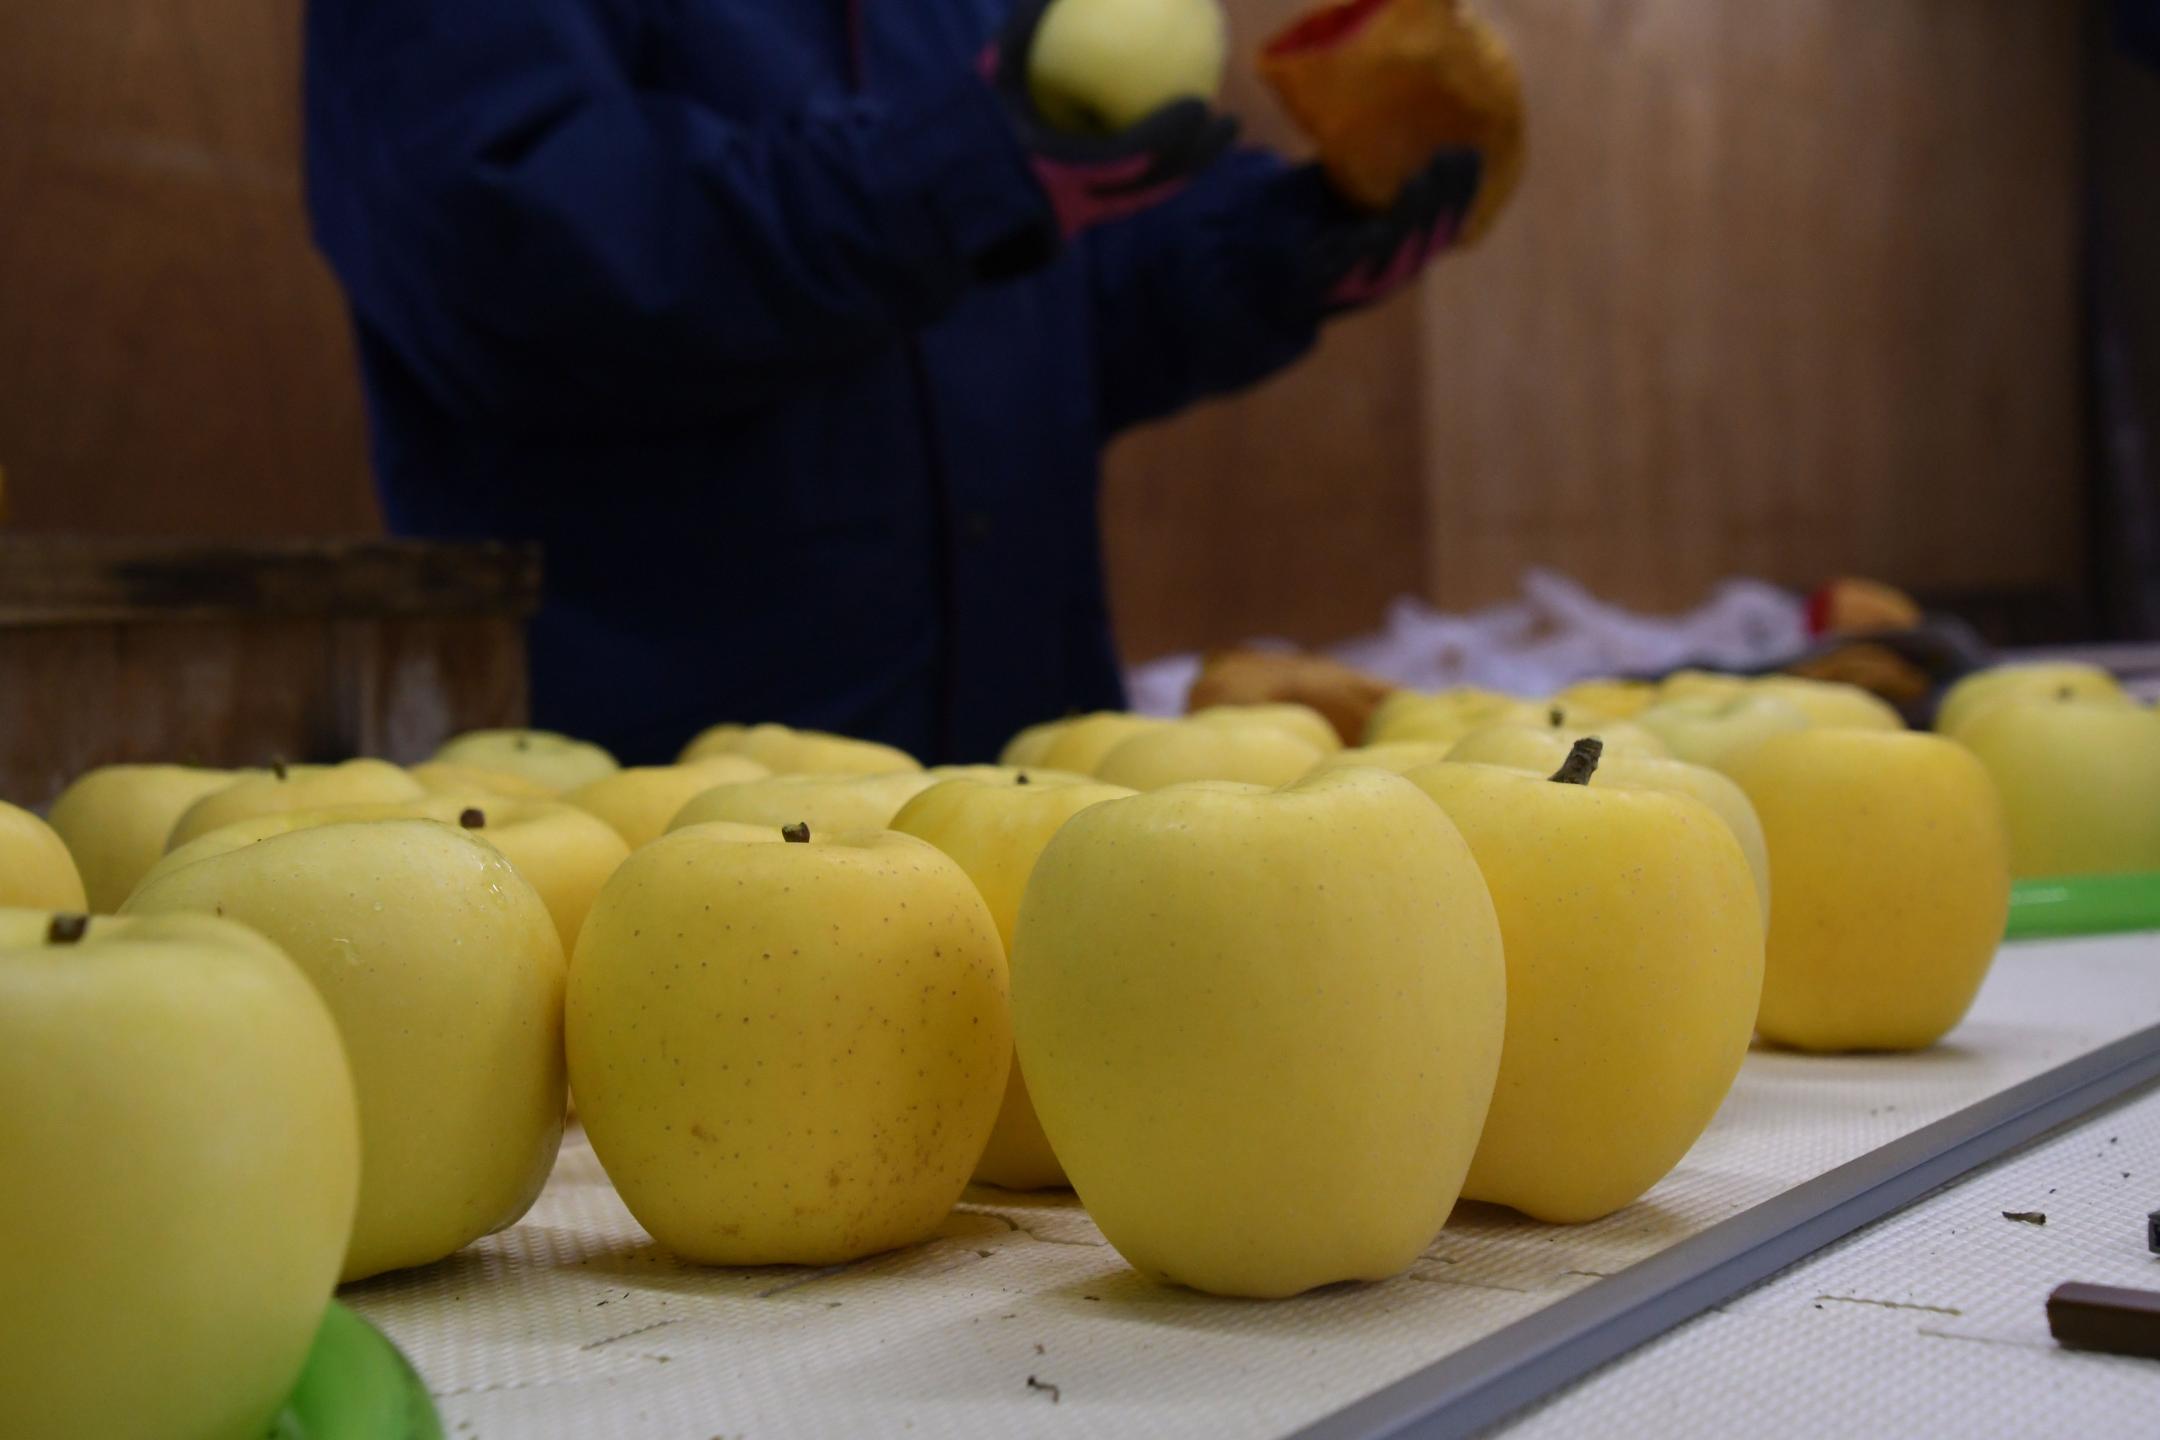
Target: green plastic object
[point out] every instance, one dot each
(2084, 905)
(356, 1386)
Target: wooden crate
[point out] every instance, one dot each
(221, 654)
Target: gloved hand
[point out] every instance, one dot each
(1361, 258)
(1091, 179)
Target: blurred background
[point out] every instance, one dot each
(1792, 290)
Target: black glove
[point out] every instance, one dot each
(1362, 258)
(1098, 177)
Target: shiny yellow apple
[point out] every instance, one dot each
(1619, 699)
(2079, 781)
(1101, 65)
(179, 1158)
(444, 777)
(787, 751)
(1634, 942)
(36, 870)
(1715, 730)
(1893, 879)
(1448, 715)
(1081, 742)
(828, 804)
(1832, 702)
(1031, 745)
(1261, 1027)
(1291, 718)
(2056, 679)
(557, 761)
(640, 801)
(788, 1053)
(1398, 757)
(1701, 685)
(117, 818)
(1188, 750)
(994, 829)
(1514, 742)
(445, 976)
(295, 787)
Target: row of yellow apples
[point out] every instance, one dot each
(1568, 1157)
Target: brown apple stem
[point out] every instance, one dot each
(1581, 762)
(2066, 693)
(796, 834)
(1556, 717)
(277, 768)
(1021, 778)
(66, 929)
(472, 817)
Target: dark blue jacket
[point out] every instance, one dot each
(693, 292)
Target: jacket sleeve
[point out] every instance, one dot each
(544, 238)
(1207, 294)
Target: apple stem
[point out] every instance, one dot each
(1555, 717)
(472, 817)
(796, 834)
(523, 742)
(277, 768)
(1581, 762)
(66, 929)
(1021, 778)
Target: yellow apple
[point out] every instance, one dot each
(178, 1163)
(1261, 1027)
(444, 777)
(640, 801)
(1832, 702)
(36, 870)
(1081, 742)
(294, 787)
(1101, 65)
(2062, 679)
(786, 751)
(1291, 718)
(1397, 757)
(1031, 745)
(1634, 942)
(1893, 880)
(1512, 742)
(445, 976)
(2079, 781)
(994, 830)
(1715, 730)
(826, 803)
(1619, 699)
(788, 1053)
(1448, 715)
(117, 818)
(1701, 685)
(542, 756)
(1173, 754)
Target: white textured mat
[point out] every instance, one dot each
(573, 1324)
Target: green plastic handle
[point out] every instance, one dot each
(2084, 905)
(356, 1386)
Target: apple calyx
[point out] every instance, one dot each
(1581, 762)
(472, 817)
(66, 929)
(796, 834)
(523, 742)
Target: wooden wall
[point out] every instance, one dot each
(1789, 289)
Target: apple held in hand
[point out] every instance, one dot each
(445, 976)
(541, 756)
(1102, 65)
(1634, 943)
(116, 820)
(36, 870)
(295, 787)
(179, 1158)
(1187, 750)
(1972, 696)
(2079, 780)
(786, 751)
(1261, 1027)
(1893, 880)
(1714, 730)
(995, 829)
(788, 1053)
